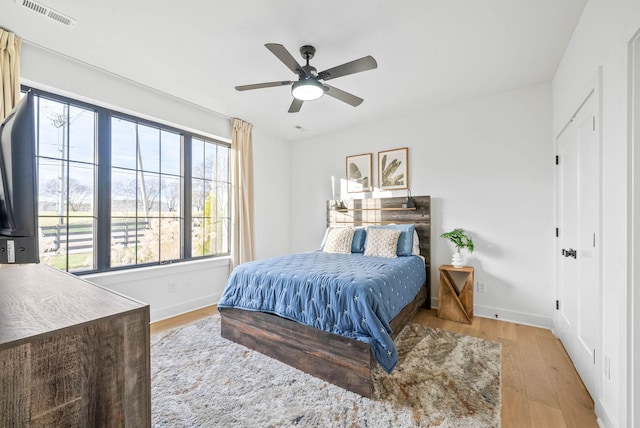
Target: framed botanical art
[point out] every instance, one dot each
(393, 169)
(359, 173)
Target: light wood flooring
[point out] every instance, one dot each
(540, 387)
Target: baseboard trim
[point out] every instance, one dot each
(183, 318)
(182, 308)
(507, 315)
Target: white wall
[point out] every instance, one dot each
(170, 289)
(176, 288)
(271, 160)
(50, 71)
(487, 164)
(601, 40)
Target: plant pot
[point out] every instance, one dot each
(457, 261)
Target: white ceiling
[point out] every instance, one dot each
(429, 52)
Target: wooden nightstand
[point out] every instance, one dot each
(455, 302)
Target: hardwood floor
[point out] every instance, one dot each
(540, 387)
(177, 321)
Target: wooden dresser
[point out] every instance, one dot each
(71, 353)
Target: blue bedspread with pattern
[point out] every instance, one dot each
(348, 294)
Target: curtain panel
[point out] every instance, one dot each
(242, 246)
(10, 48)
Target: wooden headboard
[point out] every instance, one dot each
(378, 211)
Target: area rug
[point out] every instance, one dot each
(443, 379)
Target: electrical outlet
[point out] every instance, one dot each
(481, 287)
(172, 287)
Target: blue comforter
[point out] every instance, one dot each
(348, 294)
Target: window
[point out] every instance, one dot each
(146, 185)
(66, 169)
(210, 198)
(118, 191)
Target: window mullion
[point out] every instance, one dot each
(103, 193)
(186, 201)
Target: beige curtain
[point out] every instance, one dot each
(242, 162)
(10, 47)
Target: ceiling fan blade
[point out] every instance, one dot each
(355, 66)
(263, 85)
(283, 55)
(342, 95)
(296, 104)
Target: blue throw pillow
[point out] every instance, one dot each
(360, 235)
(405, 242)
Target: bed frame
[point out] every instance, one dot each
(337, 359)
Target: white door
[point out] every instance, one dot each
(578, 246)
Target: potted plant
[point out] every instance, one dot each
(460, 240)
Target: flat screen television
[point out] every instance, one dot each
(19, 234)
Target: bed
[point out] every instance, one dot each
(344, 356)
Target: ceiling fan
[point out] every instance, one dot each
(310, 84)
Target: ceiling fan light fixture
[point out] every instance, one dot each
(307, 90)
(310, 84)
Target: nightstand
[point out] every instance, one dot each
(455, 297)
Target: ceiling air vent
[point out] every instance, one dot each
(47, 11)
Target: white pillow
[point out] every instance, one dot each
(381, 242)
(339, 240)
(416, 244)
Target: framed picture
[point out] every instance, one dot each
(359, 173)
(393, 169)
